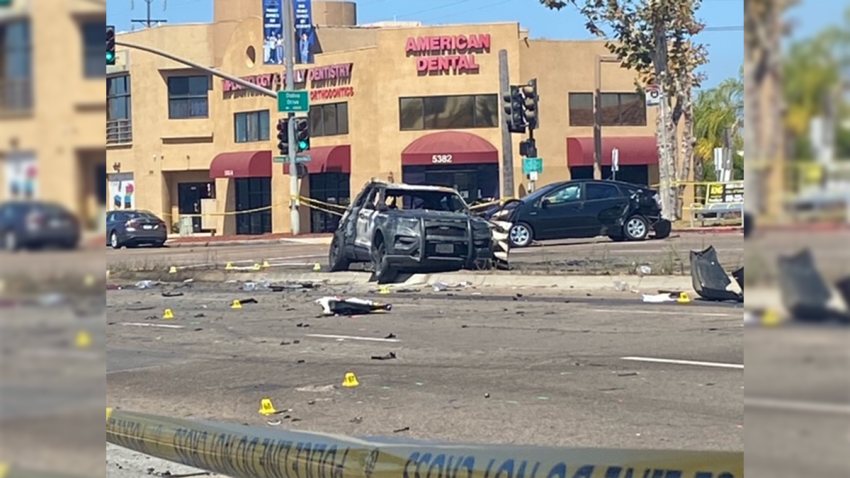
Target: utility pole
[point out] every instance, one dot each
(148, 21)
(507, 141)
(289, 63)
(597, 114)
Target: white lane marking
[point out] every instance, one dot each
(162, 326)
(350, 337)
(60, 353)
(796, 406)
(684, 362)
(666, 312)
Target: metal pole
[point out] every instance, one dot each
(507, 142)
(289, 64)
(211, 71)
(597, 120)
(667, 209)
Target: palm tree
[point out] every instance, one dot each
(717, 111)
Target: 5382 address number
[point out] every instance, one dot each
(441, 158)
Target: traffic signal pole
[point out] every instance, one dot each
(289, 64)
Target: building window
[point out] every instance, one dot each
(252, 126)
(449, 112)
(94, 39)
(119, 122)
(617, 109)
(188, 97)
(329, 120)
(15, 67)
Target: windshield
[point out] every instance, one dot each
(431, 200)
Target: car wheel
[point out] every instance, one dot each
(114, 241)
(336, 256)
(383, 272)
(662, 229)
(636, 228)
(521, 235)
(10, 241)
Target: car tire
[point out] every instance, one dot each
(382, 273)
(336, 256)
(10, 241)
(521, 235)
(114, 240)
(662, 229)
(636, 228)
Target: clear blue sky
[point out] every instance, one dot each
(726, 48)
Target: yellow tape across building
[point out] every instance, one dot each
(244, 452)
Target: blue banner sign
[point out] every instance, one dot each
(273, 32)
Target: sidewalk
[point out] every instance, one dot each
(214, 241)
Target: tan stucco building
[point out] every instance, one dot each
(52, 106)
(380, 108)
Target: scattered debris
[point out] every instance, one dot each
(248, 301)
(301, 361)
(146, 284)
(389, 356)
(626, 374)
(172, 294)
(316, 389)
(621, 286)
(357, 420)
(293, 286)
(405, 429)
(350, 306)
(710, 280)
(390, 336)
(406, 291)
(663, 297)
(301, 324)
(198, 316)
(644, 270)
(486, 395)
(139, 308)
(162, 326)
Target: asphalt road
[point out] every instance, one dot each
(797, 402)
(494, 368)
(589, 256)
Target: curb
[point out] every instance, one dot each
(518, 281)
(711, 230)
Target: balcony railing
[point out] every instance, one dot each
(119, 131)
(15, 95)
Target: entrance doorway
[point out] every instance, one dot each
(332, 188)
(253, 194)
(189, 196)
(474, 182)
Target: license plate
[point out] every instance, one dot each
(445, 248)
(147, 226)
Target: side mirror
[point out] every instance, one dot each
(545, 203)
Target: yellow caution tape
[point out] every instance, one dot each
(244, 452)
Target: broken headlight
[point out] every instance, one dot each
(408, 227)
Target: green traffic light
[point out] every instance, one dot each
(302, 145)
(110, 56)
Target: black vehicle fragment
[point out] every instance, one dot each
(805, 293)
(710, 280)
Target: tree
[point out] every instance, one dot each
(717, 111)
(655, 38)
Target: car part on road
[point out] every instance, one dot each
(389, 356)
(710, 280)
(805, 292)
(662, 229)
(351, 306)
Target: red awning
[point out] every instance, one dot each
(633, 151)
(327, 159)
(449, 147)
(242, 164)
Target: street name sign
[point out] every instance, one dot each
(289, 101)
(298, 159)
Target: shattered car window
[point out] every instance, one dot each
(425, 199)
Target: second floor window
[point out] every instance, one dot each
(329, 120)
(188, 97)
(617, 109)
(94, 39)
(15, 66)
(119, 128)
(251, 126)
(449, 112)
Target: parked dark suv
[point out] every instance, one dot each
(405, 228)
(584, 208)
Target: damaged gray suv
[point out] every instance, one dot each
(406, 228)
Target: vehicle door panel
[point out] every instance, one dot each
(560, 217)
(366, 226)
(604, 208)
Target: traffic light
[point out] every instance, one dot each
(283, 136)
(110, 45)
(514, 111)
(528, 148)
(302, 133)
(529, 105)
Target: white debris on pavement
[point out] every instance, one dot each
(124, 463)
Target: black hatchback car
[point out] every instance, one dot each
(34, 225)
(581, 209)
(134, 228)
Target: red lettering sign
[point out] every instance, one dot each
(447, 53)
(274, 81)
(332, 93)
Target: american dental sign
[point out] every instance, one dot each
(447, 54)
(326, 82)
